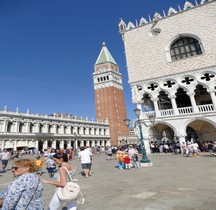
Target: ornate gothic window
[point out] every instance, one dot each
(184, 48)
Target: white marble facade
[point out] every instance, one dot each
(26, 130)
(177, 87)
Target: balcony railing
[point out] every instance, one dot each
(206, 108)
(183, 110)
(166, 112)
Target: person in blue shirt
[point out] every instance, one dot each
(25, 192)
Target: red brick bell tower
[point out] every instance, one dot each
(109, 95)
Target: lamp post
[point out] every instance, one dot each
(145, 161)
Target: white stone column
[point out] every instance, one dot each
(1, 126)
(97, 131)
(36, 144)
(46, 128)
(193, 102)
(61, 129)
(107, 143)
(17, 127)
(157, 112)
(87, 131)
(174, 105)
(45, 144)
(37, 127)
(107, 132)
(87, 143)
(93, 143)
(213, 98)
(3, 144)
(68, 143)
(81, 130)
(61, 144)
(27, 128)
(75, 130)
(68, 129)
(15, 145)
(5, 124)
(76, 144)
(102, 144)
(82, 143)
(97, 143)
(102, 132)
(53, 128)
(54, 144)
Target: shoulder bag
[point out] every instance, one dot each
(33, 194)
(70, 191)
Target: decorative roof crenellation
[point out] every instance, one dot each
(157, 16)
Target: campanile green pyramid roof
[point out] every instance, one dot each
(105, 56)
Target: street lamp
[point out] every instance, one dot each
(145, 160)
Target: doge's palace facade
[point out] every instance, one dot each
(26, 130)
(171, 62)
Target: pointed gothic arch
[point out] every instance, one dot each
(182, 99)
(147, 102)
(202, 97)
(164, 101)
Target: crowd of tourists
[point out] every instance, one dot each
(190, 148)
(128, 157)
(25, 191)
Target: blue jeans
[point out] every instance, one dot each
(120, 165)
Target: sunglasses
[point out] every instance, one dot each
(14, 168)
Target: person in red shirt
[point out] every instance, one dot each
(127, 162)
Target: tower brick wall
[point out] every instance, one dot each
(110, 105)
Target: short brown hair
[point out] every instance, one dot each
(26, 163)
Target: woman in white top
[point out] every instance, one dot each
(195, 149)
(61, 176)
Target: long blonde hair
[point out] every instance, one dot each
(26, 163)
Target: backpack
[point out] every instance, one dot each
(70, 191)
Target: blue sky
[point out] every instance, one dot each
(48, 49)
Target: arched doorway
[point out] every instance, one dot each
(200, 131)
(163, 133)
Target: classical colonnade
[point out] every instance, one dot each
(25, 130)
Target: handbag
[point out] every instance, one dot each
(70, 191)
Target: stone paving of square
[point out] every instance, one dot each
(172, 183)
